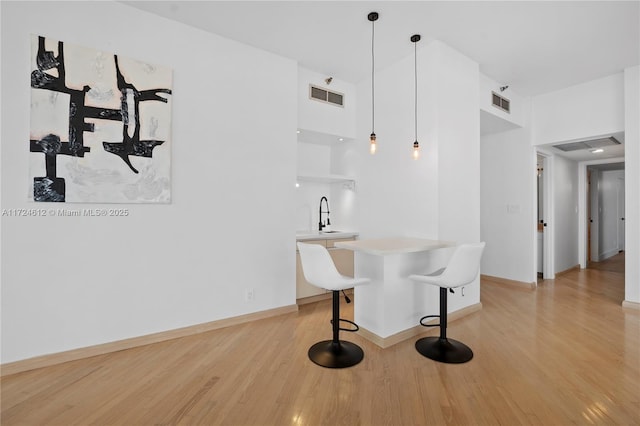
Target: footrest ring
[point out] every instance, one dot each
(351, 330)
(429, 325)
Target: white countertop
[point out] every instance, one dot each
(317, 235)
(387, 246)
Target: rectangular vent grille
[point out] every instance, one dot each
(592, 144)
(500, 102)
(324, 95)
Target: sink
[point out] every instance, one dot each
(324, 235)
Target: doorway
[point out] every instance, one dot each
(604, 211)
(544, 222)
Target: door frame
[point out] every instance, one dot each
(621, 209)
(583, 220)
(548, 264)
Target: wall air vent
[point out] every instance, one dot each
(591, 144)
(324, 95)
(500, 102)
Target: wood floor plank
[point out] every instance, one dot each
(563, 353)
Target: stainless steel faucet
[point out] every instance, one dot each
(321, 225)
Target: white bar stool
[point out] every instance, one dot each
(462, 269)
(318, 269)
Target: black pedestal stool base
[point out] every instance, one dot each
(447, 350)
(331, 355)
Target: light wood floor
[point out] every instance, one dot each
(566, 353)
(612, 264)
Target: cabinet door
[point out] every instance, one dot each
(343, 260)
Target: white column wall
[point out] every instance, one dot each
(396, 195)
(632, 182)
(458, 147)
(438, 195)
(70, 282)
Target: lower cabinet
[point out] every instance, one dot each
(342, 258)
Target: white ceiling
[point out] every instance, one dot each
(534, 47)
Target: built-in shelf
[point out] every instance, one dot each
(346, 181)
(327, 179)
(320, 138)
(317, 159)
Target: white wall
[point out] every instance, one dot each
(507, 205)
(323, 117)
(601, 107)
(438, 195)
(320, 153)
(313, 160)
(592, 109)
(587, 110)
(565, 190)
(458, 147)
(70, 282)
(316, 160)
(518, 104)
(398, 195)
(632, 181)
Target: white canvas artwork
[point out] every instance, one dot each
(100, 126)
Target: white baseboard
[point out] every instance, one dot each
(607, 254)
(80, 353)
(505, 281)
(385, 342)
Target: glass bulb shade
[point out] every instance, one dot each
(372, 145)
(416, 150)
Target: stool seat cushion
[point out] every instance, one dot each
(462, 268)
(320, 271)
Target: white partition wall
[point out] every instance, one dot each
(71, 282)
(632, 181)
(438, 195)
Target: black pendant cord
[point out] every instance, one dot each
(415, 39)
(415, 75)
(373, 67)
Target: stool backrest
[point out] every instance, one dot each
(317, 266)
(464, 265)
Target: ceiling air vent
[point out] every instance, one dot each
(324, 95)
(592, 144)
(500, 102)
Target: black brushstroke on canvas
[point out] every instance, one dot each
(52, 187)
(133, 145)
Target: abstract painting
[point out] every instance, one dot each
(100, 126)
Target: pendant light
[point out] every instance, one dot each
(416, 146)
(373, 17)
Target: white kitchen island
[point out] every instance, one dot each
(388, 309)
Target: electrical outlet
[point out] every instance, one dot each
(248, 294)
